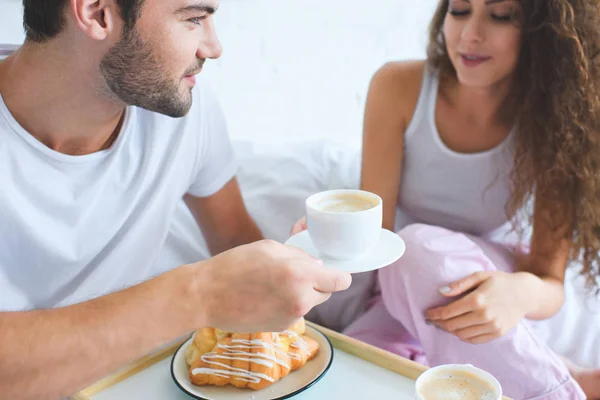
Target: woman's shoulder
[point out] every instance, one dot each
(398, 84)
(402, 72)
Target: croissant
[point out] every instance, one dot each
(253, 361)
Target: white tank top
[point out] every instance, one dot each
(458, 191)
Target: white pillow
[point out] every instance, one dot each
(276, 179)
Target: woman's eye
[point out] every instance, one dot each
(503, 18)
(458, 13)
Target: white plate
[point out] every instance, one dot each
(293, 384)
(388, 250)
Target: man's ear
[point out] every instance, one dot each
(96, 18)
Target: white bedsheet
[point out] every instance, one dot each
(275, 181)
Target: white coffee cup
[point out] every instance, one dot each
(481, 376)
(339, 227)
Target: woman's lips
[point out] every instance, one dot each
(473, 60)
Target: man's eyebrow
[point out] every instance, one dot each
(200, 7)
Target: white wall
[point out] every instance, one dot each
(298, 69)
(11, 21)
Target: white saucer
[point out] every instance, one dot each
(388, 250)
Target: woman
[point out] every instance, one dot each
(505, 109)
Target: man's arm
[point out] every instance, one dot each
(51, 354)
(261, 287)
(224, 219)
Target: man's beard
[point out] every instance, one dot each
(136, 76)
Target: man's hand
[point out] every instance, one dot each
(264, 287)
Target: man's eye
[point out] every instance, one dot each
(197, 20)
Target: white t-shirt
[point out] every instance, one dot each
(77, 227)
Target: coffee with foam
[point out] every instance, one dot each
(347, 203)
(456, 385)
(344, 224)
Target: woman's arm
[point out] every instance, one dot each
(391, 101)
(540, 280)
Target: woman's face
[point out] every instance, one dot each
(483, 39)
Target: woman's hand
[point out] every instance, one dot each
(491, 309)
(299, 226)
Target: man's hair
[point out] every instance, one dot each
(45, 19)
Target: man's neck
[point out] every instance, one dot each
(58, 97)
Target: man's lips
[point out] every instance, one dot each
(192, 76)
(193, 73)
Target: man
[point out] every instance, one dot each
(99, 141)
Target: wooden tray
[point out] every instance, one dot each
(371, 354)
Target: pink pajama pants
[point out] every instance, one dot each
(435, 257)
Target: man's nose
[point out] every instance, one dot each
(210, 46)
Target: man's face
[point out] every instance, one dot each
(154, 64)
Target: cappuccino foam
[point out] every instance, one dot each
(458, 385)
(347, 202)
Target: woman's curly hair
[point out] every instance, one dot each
(557, 94)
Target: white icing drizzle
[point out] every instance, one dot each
(256, 359)
(299, 343)
(236, 352)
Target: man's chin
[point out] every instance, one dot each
(173, 111)
(178, 113)
(174, 107)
